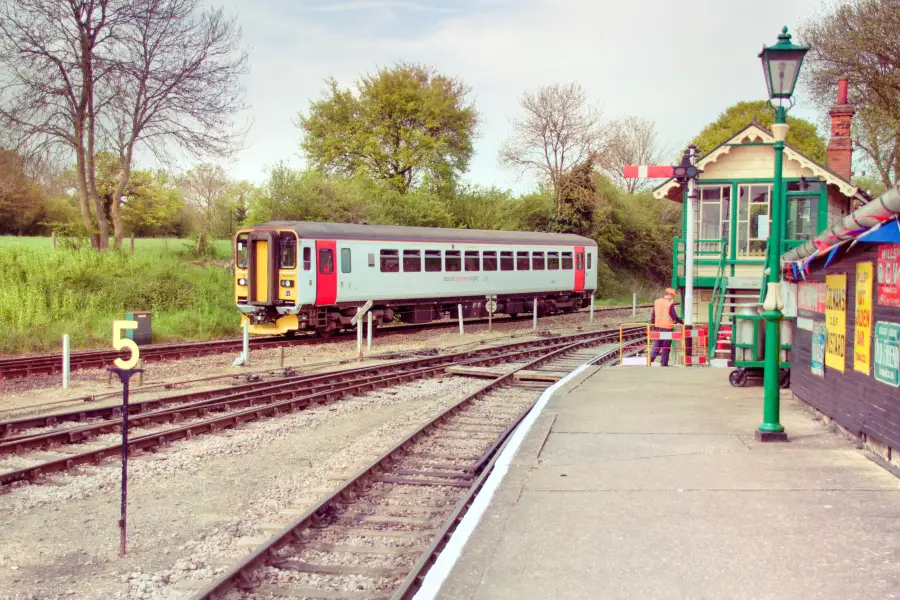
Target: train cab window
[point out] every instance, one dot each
(553, 261)
(242, 251)
(452, 261)
(537, 261)
(522, 262)
(579, 261)
(506, 261)
(471, 262)
(433, 261)
(287, 242)
(567, 260)
(307, 259)
(390, 261)
(489, 260)
(412, 260)
(345, 260)
(326, 261)
(588, 260)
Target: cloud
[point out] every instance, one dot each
(357, 5)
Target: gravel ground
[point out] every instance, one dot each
(199, 505)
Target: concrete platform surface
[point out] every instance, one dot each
(648, 484)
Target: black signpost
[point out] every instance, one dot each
(124, 376)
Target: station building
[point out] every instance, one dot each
(731, 215)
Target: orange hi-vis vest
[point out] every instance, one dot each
(662, 320)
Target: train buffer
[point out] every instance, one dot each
(633, 483)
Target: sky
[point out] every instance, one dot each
(677, 63)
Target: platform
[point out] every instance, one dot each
(639, 483)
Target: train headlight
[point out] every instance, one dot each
(242, 281)
(287, 283)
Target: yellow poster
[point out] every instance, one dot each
(835, 321)
(862, 339)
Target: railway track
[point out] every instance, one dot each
(83, 437)
(49, 364)
(376, 536)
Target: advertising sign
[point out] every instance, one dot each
(817, 362)
(811, 297)
(835, 321)
(862, 337)
(887, 353)
(888, 274)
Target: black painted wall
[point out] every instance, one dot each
(856, 401)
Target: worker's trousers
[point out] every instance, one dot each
(661, 347)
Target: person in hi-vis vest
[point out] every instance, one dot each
(663, 317)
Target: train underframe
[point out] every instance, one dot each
(328, 320)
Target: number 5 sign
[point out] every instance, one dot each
(120, 343)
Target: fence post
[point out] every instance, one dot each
(140, 374)
(246, 344)
(359, 324)
(280, 356)
(65, 365)
(132, 242)
(53, 237)
(592, 308)
(490, 313)
(534, 316)
(633, 303)
(369, 332)
(459, 311)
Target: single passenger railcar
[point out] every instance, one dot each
(302, 276)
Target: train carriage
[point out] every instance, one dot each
(303, 276)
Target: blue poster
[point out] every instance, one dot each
(817, 361)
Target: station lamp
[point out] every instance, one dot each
(781, 66)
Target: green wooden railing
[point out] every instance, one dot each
(717, 305)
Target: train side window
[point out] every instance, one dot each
(433, 261)
(307, 259)
(537, 261)
(242, 251)
(390, 261)
(471, 263)
(522, 262)
(371, 259)
(452, 261)
(287, 243)
(579, 260)
(553, 260)
(489, 260)
(567, 260)
(345, 260)
(506, 261)
(326, 261)
(588, 260)
(412, 260)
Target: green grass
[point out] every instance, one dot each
(45, 294)
(155, 246)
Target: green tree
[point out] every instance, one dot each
(802, 134)
(402, 123)
(21, 197)
(155, 207)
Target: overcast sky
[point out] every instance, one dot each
(678, 63)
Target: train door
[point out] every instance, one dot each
(579, 268)
(326, 272)
(306, 287)
(261, 270)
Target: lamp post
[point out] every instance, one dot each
(781, 65)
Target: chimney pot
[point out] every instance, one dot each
(842, 92)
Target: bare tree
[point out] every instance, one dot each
(206, 188)
(559, 130)
(633, 141)
(88, 76)
(879, 140)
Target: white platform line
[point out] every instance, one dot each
(447, 559)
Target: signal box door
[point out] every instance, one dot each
(579, 268)
(326, 272)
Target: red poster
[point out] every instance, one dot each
(888, 275)
(811, 297)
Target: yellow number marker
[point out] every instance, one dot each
(119, 343)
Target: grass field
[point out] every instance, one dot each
(156, 246)
(46, 293)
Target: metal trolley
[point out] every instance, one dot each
(748, 350)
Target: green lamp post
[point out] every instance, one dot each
(781, 66)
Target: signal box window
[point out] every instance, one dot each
(307, 259)
(522, 261)
(345, 260)
(288, 245)
(433, 261)
(412, 260)
(567, 260)
(326, 261)
(553, 260)
(242, 251)
(537, 261)
(489, 260)
(390, 261)
(506, 261)
(472, 260)
(452, 261)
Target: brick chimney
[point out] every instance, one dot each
(840, 146)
